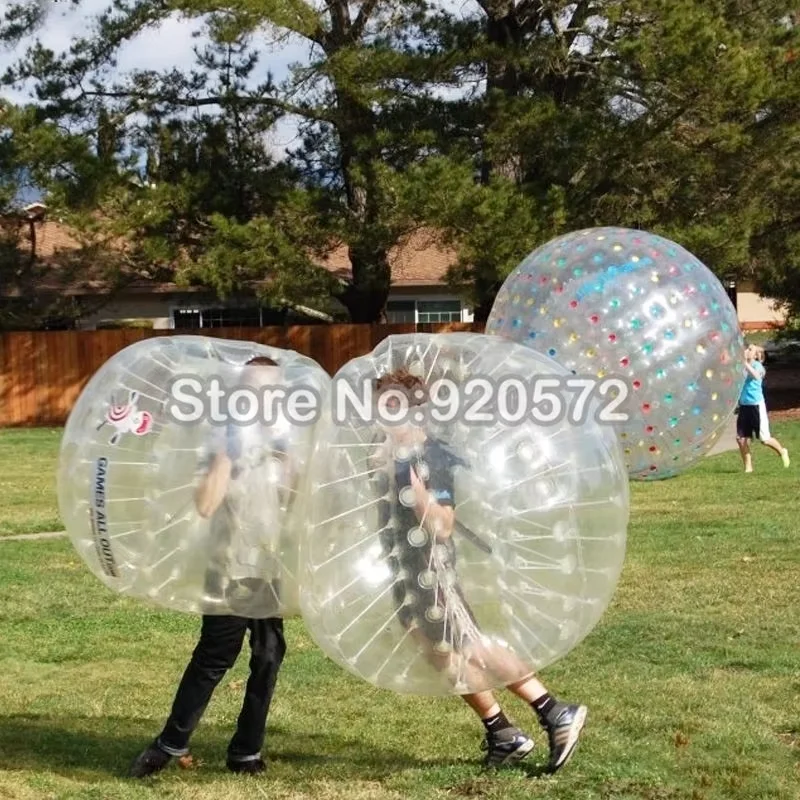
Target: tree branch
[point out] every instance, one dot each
(189, 102)
(363, 18)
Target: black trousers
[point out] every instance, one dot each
(221, 641)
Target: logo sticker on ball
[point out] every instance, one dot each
(126, 418)
(99, 519)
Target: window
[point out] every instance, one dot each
(401, 311)
(186, 318)
(439, 310)
(217, 317)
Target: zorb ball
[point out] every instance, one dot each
(457, 537)
(647, 323)
(179, 470)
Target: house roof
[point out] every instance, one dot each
(420, 259)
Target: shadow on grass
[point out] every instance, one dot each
(99, 748)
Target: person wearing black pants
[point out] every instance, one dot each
(235, 495)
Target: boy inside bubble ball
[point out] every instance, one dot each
(418, 532)
(243, 500)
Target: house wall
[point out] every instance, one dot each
(753, 311)
(155, 308)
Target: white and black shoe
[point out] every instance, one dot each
(506, 747)
(564, 725)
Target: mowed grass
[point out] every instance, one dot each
(692, 677)
(28, 502)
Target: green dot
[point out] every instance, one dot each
(668, 399)
(673, 421)
(577, 272)
(561, 262)
(661, 373)
(648, 348)
(614, 303)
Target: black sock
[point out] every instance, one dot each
(497, 722)
(543, 706)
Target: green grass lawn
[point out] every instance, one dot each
(692, 677)
(28, 501)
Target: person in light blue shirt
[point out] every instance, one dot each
(752, 421)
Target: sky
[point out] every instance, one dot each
(171, 45)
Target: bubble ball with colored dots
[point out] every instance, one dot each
(136, 449)
(613, 304)
(520, 568)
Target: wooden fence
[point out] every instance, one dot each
(43, 372)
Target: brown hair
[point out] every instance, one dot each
(406, 382)
(261, 361)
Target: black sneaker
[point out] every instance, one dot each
(506, 747)
(564, 725)
(149, 762)
(252, 766)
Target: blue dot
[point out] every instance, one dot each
(670, 334)
(612, 271)
(598, 259)
(697, 432)
(692, 387)
(516, 323)
(696, 411)
(551, 351)
(532, 335)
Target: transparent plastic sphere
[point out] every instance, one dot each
(644, 317)
(452, 548)
(190, 502)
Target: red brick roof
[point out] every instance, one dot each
(420, 259)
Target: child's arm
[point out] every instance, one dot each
(214, 486)
(754, 372)
(439, 518)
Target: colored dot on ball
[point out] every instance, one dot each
(698, 431)
(617, 248)
(692, 387)
(614, 303)
(558, 289)
(601, 238)
(636, 324)
(556, 323)
(561, 262)
(715, 306)
(598, 259)
(627, 451)
(516, 323)
(700, 349)
(696, 411)
(673, 270)
(653, 468)
(669, 334)
(680, 361)
(653, 449)
(714, 337)
(601, 373)
(703, 287)
(543, 279)
(594, 319)
(649, 429)
(573, 303)
(654, 277)
(725, 327)
(703, 312)
(709, 373)
(714, 396)
(637, 384)
(532, 335)
(624, 361)
(673, 421)
(647, 348)
(543, 310)
(577, 272)
(635, 259)
(590, 353)
(551, 351)
(573, 337)
(612, 337)
(715, 417)
(529, 301)
(645, 407)
(667, 398)
(687, 323)
(623, 436)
